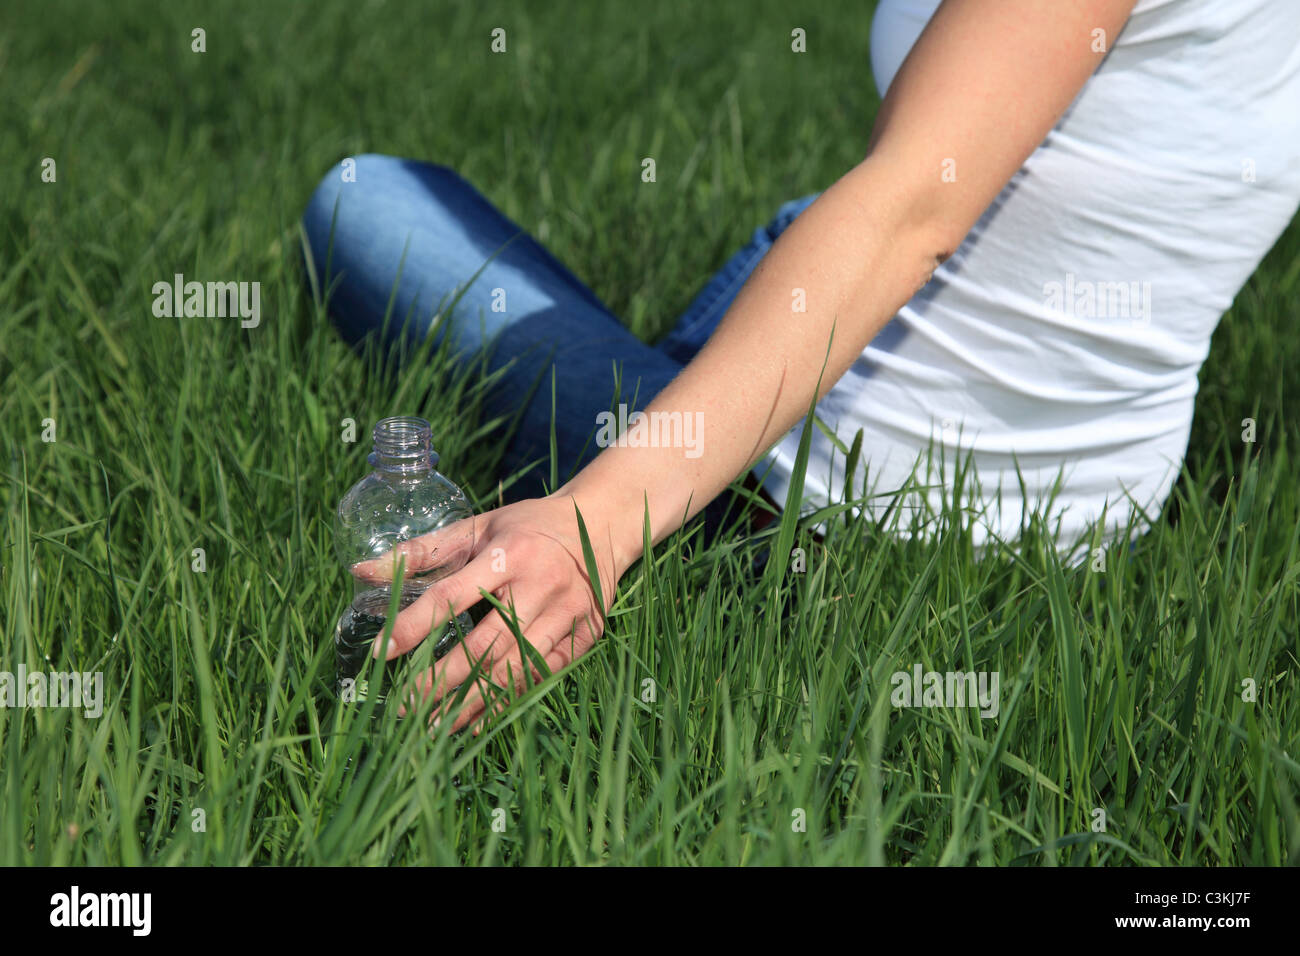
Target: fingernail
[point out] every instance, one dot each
(369, 569)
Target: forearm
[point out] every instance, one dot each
(859, 252)
(852, 259)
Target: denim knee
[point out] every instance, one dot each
(355, 172)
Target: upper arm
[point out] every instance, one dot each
(980, 90)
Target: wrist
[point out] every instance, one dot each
(613, 527)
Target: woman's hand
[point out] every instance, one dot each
(529, 556)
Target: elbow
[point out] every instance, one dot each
(923, 219)
(933, 242)
(937, 234)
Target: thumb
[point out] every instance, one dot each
(450, 547)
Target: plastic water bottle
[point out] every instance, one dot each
(402, 498)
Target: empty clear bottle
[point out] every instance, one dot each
(404, 497)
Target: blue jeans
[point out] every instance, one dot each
(418, 234)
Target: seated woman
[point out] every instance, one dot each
(1058, 203)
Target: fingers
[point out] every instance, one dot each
(494, 664)
(474, 656)
(451, 546)
(491, 640)
(507, 677)
(443, 600)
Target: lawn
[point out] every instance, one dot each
(175, 533)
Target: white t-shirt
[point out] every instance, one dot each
(1066, 331)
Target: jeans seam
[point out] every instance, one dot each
(707, 310)
(779, 223)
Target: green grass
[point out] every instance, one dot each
(1121, 690)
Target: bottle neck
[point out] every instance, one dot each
(400, 466)
(403, 446)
